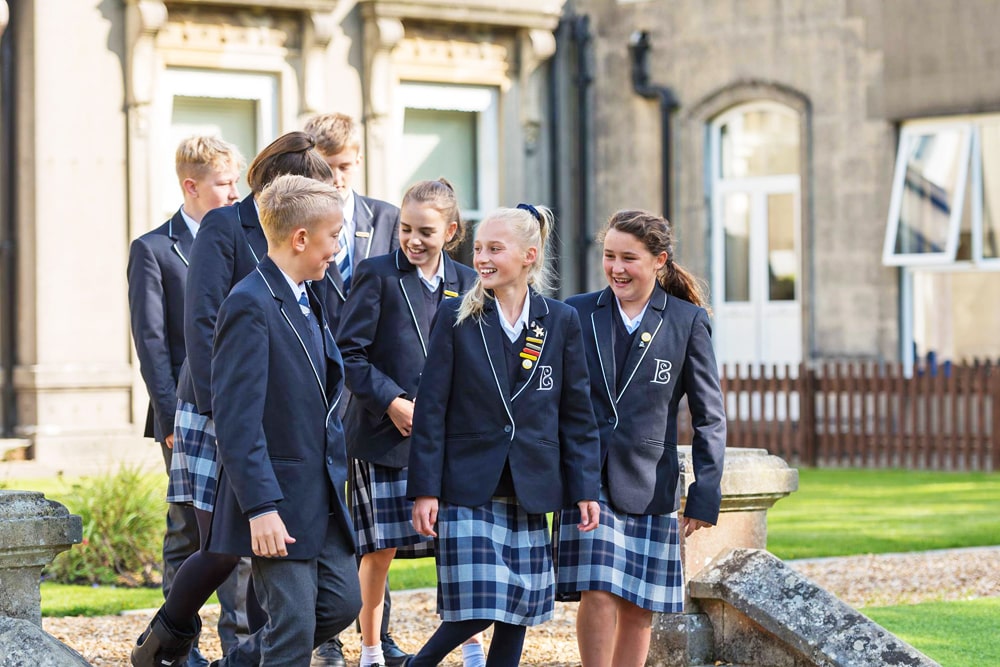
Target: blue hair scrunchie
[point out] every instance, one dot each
(532, 210)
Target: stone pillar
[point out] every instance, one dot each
(33, 531)
(752, 482)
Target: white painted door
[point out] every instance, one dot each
(756, 270)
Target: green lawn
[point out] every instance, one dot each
(847, 511)
(955, 634)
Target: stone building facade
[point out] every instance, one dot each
(787, 133)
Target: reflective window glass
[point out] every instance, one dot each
(760, 142)
(989, 142)
(782, 260)
(736, 221)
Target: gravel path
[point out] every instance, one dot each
(858, 580)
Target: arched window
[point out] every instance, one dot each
(755, 181)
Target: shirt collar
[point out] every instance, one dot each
(631, 324)
(435, 280)
(191, 223)
(514, 330)
(298, 289)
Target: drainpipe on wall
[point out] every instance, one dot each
(639, 51)
(582, 39)
(8, 226)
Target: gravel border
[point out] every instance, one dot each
(868, 580)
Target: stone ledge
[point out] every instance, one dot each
(802, 623)
(23, 644)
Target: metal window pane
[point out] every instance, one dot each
(782, 260)
(736, 222)
(440, 143)
(989, 140)
(760, 142)
(933, 182)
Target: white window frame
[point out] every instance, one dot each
(907, 136)
(484, 101)
(259, 88)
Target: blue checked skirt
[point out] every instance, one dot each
(634, 556)
(193, 469)
(494, 562)
(383, 517)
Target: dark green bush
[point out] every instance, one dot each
(122, 531)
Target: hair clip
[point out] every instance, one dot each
(532, 210)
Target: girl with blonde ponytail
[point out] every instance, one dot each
(503, 433)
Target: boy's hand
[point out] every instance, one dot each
(268, 536)
(400, 411)
(590, 513)
(425, 514)
(169, 441)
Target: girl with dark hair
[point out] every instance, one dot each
(648, 343)
(383, 336)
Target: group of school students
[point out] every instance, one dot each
(345, 393)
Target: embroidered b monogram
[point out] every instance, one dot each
(662, 373)
(544, 378)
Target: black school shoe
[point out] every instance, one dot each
(393, 655)
(329, 654)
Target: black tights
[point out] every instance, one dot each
(199, 576)
(505, 647)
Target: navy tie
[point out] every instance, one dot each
(314, 331)
(344, 259)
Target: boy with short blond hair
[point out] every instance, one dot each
(207, 170)
(277, 379)
(371, 228)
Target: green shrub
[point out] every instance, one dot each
(122, 531)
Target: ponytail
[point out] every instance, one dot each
(532, 226)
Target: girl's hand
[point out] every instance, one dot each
(425, 514)
(268, 536)
(690, 525)
(400, 411)
(590, 513)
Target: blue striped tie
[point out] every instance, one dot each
(304, 304)
(344, 259)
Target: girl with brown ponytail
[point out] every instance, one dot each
(648, 343)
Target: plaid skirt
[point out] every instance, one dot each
(383, 517)
(634, 556)
(494, 562)
(193, 468)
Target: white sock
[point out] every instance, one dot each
(372, 655)
(473, 656)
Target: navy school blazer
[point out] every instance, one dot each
(279, 437)
(671, 356)
(229, 244)
(467, 423)
(376, 232)
(157, 271)
(383, 338)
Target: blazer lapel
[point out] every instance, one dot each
(336, 281)
(601, 326)
(491, 331)
(645, 335)
(292, 314)
(536, 329)
(411, 285)
(451, 285)
(362, 229)
(246, 211)
(181, 236)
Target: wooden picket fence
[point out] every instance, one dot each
(865, 414)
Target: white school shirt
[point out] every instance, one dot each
(514, 330)
(436, 279)
(631, 324)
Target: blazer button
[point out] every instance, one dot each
(506, 429)
(611, 420)
(329, 460)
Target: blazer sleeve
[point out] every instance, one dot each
(708, 420)
(210, 277)
(239, 389)
(579, 437)
(147, 309)
(427, 440)
(359, 323)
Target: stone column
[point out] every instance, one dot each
(33, 531)
(752, 482)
